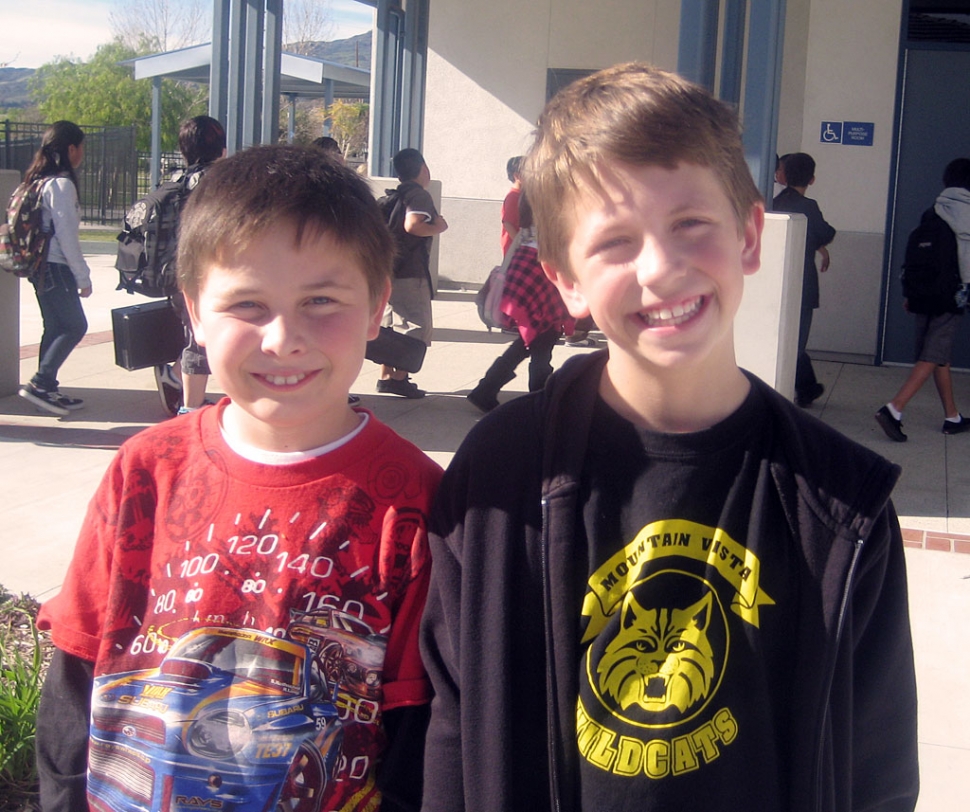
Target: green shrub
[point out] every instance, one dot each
(23, 663)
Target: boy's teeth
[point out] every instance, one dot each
(289, 380)
(675, 313)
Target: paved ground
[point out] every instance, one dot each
(51, 466)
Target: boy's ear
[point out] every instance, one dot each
(751, 235)
(572, 294)
(192, 306)
(377, 315)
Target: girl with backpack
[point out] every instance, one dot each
(533, 305)
(66, 278)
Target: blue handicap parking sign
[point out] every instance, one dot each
(831, 132)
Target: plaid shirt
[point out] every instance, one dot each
(530, 299)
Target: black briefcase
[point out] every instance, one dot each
(396, 350)
(147, 334)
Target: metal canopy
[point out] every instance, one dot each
(299, 75)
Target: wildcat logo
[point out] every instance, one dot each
(661, 658)
(670, 540)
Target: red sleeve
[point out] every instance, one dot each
(405, 536)
(405, 680)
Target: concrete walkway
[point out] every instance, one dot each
(50, 468)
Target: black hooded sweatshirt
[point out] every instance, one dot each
(501, 636)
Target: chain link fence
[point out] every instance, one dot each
(108, 177)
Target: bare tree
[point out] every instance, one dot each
(168, 24)
(306, 22)
(161, 25)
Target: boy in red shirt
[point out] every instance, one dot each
(238, 627)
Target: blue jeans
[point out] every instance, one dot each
(64, 323)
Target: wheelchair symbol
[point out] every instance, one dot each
(832, 132)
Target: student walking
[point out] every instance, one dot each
(67, 277)
(799, 173)
(937, 316)
(536, 309)
(413, 221)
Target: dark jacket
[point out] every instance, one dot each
(500, 635)
(819, 234)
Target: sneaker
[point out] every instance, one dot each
(949, 427)
(583, 342)
(405, 387)
(169, 389)
(807, 398)
(892, 426)
(71, 404)
(42, 399)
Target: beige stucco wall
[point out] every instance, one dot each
(486, 86)
(850, 75)
(487, 66)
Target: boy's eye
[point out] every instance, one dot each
(321, 300)
(690, 222)
(612, 246)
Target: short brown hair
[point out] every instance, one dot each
(245, 195)
(635, 114)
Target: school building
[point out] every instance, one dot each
(875, 90)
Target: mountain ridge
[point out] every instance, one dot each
(353, 51)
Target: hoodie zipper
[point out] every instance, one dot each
(552, 736)
(846, 590)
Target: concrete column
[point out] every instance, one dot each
(697, 52)
(766, 325)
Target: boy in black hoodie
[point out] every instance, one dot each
(656, 584)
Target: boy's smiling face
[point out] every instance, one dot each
(657, 258)
(285, 328)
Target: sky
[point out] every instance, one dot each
(29, 38)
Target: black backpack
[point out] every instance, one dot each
(148, 242)
(394, 210)
(931, 269)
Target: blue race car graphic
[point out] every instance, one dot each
(232, 719)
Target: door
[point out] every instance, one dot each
(934, 129)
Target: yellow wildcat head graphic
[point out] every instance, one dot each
(660, 658)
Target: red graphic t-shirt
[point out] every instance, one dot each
(248, 623)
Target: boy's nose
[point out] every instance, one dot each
(281, 336)
(653, 262)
